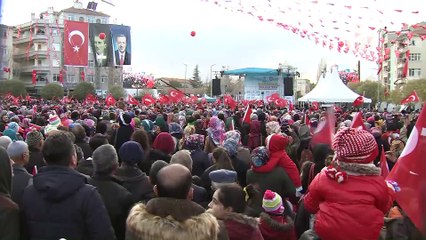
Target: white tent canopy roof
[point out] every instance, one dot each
(331, 89)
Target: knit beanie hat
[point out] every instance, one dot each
(164, 142)
(272, 203)
(352, 145)
(33, 138)
(54, 120)
(194, 142)
(124, 119)
(131, 152)
(259, 156)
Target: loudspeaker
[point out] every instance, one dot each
(216, 87)
(288, 86)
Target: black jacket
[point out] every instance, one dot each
(117, 199)
(85, 147)
(85, 166)
(20, 180)
(36, 159)
(60, 204)
(136, 182)
(153, 156)
(200, 162)
(9, 211)
(241, 167)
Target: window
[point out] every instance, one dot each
(103, 79)
(91, 19)
(98, 20)
(414, 57)
(56, 47)
(81, 19)
(70, 78)
(104, 21)
(90, 78)
(39, 62)
(5, 34)
(91, 63)
(38, 47)
(56, 77)
(55, 32)
(414, 72)
(71, 18)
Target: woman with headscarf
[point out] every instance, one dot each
(255, 136)
(231, 142)
(162, 149)
(124, 132)
(200, 159)
(12, 131)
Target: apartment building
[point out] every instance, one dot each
(38, 48)
(402, 48)
(6, 48)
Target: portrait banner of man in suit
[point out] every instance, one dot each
(100, 37)
(120, 36)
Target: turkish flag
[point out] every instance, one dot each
(409, 173)
(90, 98)
(109, 100)
(413, 97)
(324, 133)
(175, 95)
(272, 98)
(315, 106)
(357, 122)
(132, 100)
(83, 77)
(358, 101)
(384, 168)
(76, 43)
(61, 77)
(247, 114)
(148, 99)
(279, 102)
(163, 99)
(405, 69)
(228, 100)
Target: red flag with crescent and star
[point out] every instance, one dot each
(408, 176)
(413, 97)
(76, 43)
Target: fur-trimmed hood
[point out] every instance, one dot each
(241, 218)
(359, 169)
(275, 225)
(166, 218)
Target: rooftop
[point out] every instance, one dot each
(84, 12)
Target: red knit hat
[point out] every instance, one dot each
(355, 146)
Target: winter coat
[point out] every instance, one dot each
(120, 136)
(255, 136)
(85, 147)
(60, 204)
(168, 218)
(276, 180)
(240, 226)
(20, 180)
(153, 156)
(9, 211)
(117, 199)
(279, 157)
(354, 208)
(200, 162)
(136, 182)
(241, 168)
(85, 166)
(35, 159)
(276, 227)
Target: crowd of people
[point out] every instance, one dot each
(197, 171)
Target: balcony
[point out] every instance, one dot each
(31, 54)
(26, 39)
(30, 68)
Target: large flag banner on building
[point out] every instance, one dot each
(121, 44)
(100, 42)
(76, 43)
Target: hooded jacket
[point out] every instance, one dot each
(60, 204)
(136, 182)
(168, 218)
(276, 144)
(9, 211)
(276, 227)
(240, 226)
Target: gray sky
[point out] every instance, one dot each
(162, 45)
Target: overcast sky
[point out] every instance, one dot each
(162, 45)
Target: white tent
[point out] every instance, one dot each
(331, 89)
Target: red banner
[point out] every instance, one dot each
(76, 43)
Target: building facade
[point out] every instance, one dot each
(399, 49)
(6, 49)
(303, 86)
(38, 48)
